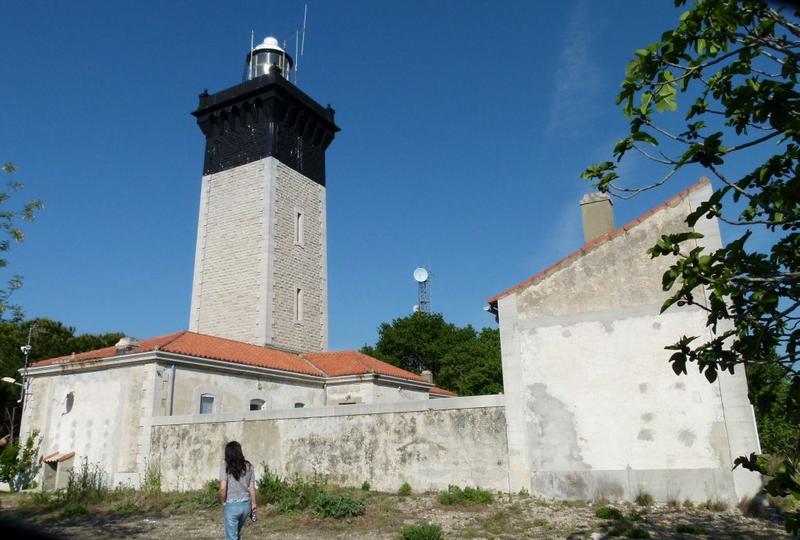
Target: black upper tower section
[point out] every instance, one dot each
(265, 116)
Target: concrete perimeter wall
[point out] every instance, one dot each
(428, 444)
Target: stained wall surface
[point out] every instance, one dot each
(594, 408)
(427, 444)
(107, 423)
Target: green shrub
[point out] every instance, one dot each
(636, 532)
(270, 487)
(404, 490)
(468, 495)
(300, 494)
(644, 499)
(609, 512)
(365, 486)
(336, 505)
(73, 509)
(18, 464)
(424, 531)
(689, 529)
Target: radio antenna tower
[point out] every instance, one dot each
(422, 277)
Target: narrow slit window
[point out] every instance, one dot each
(206, 404)
(298, 305)
(298, 228)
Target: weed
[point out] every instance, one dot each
(636, 532)
(644, 499)
(635, 517)
(404, 490)
(270, 487)
(689, 529)
(424, 531)
(387, 505)
(674, 504)
(336, 505)
(688, 504)
(714, 506)
(540, 522)
(151, 484)
(609, 512)
(468, 495)
(73, 509)
(497, 522)
(523, 493)
(299, 494)
(89, 484)
(365, 486)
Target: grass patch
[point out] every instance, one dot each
(540, 522)
(714, 506)
(73, 509)
(468, 495)
(365, 486)
(424, 531)
(405, 490)
(498, 522)
(689, 529)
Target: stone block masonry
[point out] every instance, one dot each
(428, 444)
(249, 265)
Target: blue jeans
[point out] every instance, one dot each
(235, 514)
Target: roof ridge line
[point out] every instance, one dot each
(703, 181)
(178, 334)
(302, 357)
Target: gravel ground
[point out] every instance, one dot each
(387, 515)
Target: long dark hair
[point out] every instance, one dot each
(235, 464)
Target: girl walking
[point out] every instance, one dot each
(237, 490)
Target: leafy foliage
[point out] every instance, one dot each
(609, 512)
(405, 490)
(337, 505)
(467, 495)
(10, 233)
(734, 65)
(424, 531)
(462, 360)
(18, 463)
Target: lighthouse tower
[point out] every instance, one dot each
(260, 272)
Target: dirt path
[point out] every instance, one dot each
(387, 515)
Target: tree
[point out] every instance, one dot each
(18, 463)
(734, 64)
(9, 232)
(460, 359)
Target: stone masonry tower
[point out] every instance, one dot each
(260, 271)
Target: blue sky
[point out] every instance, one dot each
(465, 126)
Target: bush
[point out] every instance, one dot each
(299, 494)
(336, 505)
(468, 495)
(74, 509)
(18, 464)
(424, 531)
(270, 487)
(636, 532)
(404, 490)
(609, 512)
(644, 499)
(365, 486)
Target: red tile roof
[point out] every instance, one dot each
(333, 364)
(336, 364)
(599, 240)
(442, 392)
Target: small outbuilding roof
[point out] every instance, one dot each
(594, 243)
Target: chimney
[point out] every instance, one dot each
(598, 215)
(427, 375)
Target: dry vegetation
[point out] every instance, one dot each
(135, 514)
